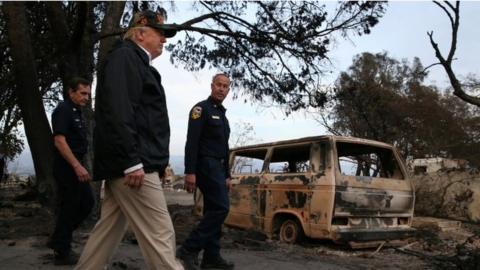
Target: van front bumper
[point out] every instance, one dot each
(349, 234)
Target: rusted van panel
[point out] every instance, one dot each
(374, 201)
(340, 188)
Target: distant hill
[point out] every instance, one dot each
(23, 164)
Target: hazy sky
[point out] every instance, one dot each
(402, 32)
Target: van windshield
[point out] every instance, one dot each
(368, 161)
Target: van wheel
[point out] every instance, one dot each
(291, 232)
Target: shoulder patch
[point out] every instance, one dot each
(196, 112)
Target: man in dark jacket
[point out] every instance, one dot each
(131, 141)
(206, 166)
(75, 197)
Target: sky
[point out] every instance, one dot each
(402, 32)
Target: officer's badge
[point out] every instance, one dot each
(196, 112)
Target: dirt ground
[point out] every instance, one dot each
(25, 226)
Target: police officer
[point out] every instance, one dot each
(206, 166)
(74, 192)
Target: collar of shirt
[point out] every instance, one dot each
(148, 54)
(216, 105)
(74, 106)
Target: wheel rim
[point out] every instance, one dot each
(289, 232)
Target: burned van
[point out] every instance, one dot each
(326, 187)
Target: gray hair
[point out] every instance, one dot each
(220, 74)
(130, 34)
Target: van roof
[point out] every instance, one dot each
(315, 138)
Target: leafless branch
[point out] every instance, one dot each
(447, 63)
(455, 25)
(116, 32)
(202, 18)
(429, 66)
(446, 11)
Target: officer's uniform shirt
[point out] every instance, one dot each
(67, 120)
(207, 136)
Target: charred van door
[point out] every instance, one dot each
(323, 189)
(285, 191)
(372, 187)
(246, 172)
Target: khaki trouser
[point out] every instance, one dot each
(145, 210)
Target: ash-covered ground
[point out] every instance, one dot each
(25, 226)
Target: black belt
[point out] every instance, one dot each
(152, 169)
(148, 170)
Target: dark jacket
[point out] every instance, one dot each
(131, 115)
(207, 136)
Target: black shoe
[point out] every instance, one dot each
(189, 259)
(217, 263)
(50, 244)
(66, 259)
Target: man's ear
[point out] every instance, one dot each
(139, 35)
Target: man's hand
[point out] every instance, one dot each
(229, 184)
(67, 154)
(81, 173)
(190, 180)
(135, 179)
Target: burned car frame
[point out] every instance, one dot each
(327, 187)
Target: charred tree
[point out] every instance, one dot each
(29, 97)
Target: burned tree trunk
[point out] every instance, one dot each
(37, 129)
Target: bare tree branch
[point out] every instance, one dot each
(446, 11)
(447, 63)
(202, 18)
(324, 122)
(116, 32)
(453, 46)
(429, 66)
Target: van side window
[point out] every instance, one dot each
(290, 159)
(367, 160)
(248, 162)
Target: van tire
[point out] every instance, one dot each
(291, 232)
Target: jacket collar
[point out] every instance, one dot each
(139, 50)
(148, 54)
(74, 106)
(215, 104)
